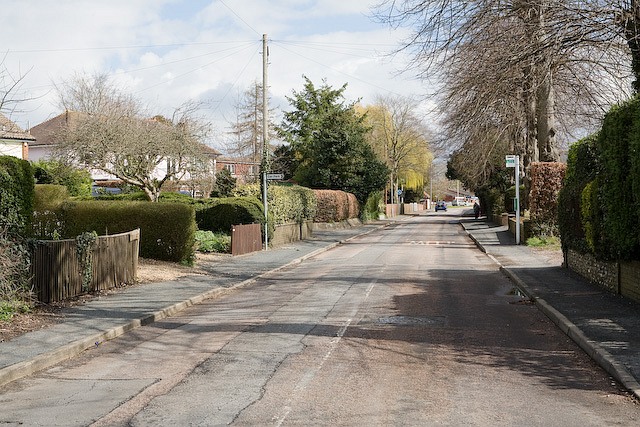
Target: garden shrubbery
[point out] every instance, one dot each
(600, 202)
(546, 182)
(336, 206)
(167, 230)
(16, 207)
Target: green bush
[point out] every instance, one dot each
(208, 241)
(590, 216)
(582, 167)
(618, 161)
(78, 181)
(287, 203)
(16, 194)
(15, 289)
(491, 200)
(46, 223)
(167, 230)
(371, 209)
(223, 213)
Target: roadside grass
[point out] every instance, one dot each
(546, 242)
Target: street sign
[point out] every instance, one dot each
(510, 160)
(275, 176)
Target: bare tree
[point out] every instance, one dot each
(110, 133)
(519, 70)
(10, 88)
(399, 137)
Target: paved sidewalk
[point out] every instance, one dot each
(604, 325)
(107, 317)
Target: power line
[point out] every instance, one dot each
(151, 46)
(239, 17)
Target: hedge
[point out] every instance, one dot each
(167, 230)
(219, 215)
(287, 203)
(582, 166)
(546, 183)
(335, 206)
(618, 177)
(16, 193)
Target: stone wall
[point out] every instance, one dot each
(620, 278)
(601, 273)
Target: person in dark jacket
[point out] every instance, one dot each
(476, 209)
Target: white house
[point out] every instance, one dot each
(13, 140)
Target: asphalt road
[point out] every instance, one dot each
(409, 325)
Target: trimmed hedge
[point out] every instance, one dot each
(16, 193)
(582, 167)
(618, 177)
(167, 230)
(546, 183)
(219, 215)
(335, 206)
(287, 203)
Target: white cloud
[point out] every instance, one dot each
(169, 51)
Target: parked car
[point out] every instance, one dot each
(441, 206)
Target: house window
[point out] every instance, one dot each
(230, 168)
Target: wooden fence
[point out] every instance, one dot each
(246, 238)
(57, 275)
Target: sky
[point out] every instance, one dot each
(168, 52)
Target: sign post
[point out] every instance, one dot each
(514, 162)
(266, 210)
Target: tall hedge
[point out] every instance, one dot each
(582, 167)
(16, 193)
(336, 205)
(546, 182)
(618, 148)
(167, 230)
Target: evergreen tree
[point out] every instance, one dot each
(327, 137)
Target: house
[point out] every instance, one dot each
(45, 134)
(198, 180)
(245, 170)
(13, 140)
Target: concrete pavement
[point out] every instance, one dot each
(606, 326)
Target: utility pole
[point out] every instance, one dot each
(266, 167)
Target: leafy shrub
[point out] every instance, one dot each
(15, 289)
(287, 203)
(77, 181)
(590, 216)
(16, 194)
(371, 208)
(582, 167)
(167, 230)
(223, 213)
(208, 241)
(46, 222)
(546, 183)
(621, 220)
(335, 206)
